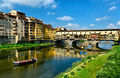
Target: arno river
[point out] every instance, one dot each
(51, 60)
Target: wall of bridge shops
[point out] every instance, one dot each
(97, 35)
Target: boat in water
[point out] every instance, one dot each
(33, 60)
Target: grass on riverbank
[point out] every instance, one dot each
(111, 68)
(89, 68)
(17, 46)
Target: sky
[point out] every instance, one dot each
(72, 14)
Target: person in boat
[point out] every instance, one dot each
(32, 58)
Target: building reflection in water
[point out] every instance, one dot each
(50, 53)
(89, 48)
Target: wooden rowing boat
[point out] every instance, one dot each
(25, 61)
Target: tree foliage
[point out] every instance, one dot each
(111, 68)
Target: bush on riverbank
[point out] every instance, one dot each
(111, 68)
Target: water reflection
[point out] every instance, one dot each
(106, 44)
(95, 45)
(51, 61)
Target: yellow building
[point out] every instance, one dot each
(47, 31)
(39, 30)
(54, 30)
(31, 28)
(35, 29)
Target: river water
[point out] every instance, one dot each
(50, 61)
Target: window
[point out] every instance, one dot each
(1, 29)
(21, 21)
(1, 25)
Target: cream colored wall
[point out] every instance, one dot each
(2, 23)
(70, 32)
(78, 33)
(13, 12)
(91, 32)
(20, 27)
(88, 32)
(74, 32)
(11, 25)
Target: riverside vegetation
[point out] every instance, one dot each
(111, 68)
(97, 66)
(19, 46)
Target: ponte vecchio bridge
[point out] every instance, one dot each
(101, 34)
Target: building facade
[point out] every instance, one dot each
(20, 24)
(34, 29)
(12, 26)
(48, 31)
(8, 28)
(15, 26)
(4, 28)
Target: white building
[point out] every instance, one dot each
(12, 26)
